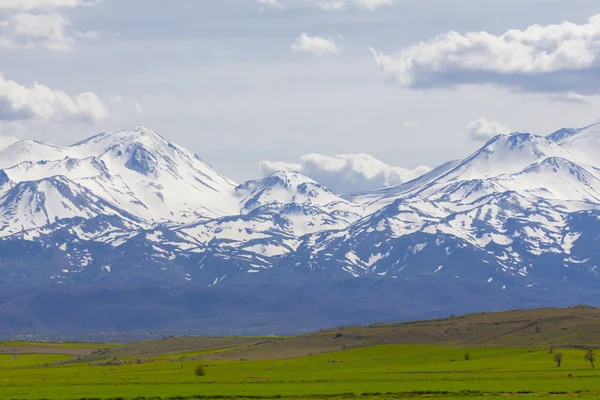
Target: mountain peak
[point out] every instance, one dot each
(283, 187)
(583, 143)
(287, 178)
(280, 180)
(135, 135)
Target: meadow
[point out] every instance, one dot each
(379, 372)
(489, 356)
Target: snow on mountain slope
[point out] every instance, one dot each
(506, 154)
(379, 198)
(283, 188)
(301, 205)
(263, 235)
(275, 212)
(30, 205)
(522, 210)
(468, 179)
(5, 182)
(556, 178)
(506, 211)
(584, 143)
(170, 182)
(31, 150)
(136, 169)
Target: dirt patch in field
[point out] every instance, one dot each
(174, 345)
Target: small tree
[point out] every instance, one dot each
(467, 356)
(551, 349)
(558, 357)
(199, 371)
(591, 357)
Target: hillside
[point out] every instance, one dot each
(540, 328)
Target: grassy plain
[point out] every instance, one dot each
(235, 369)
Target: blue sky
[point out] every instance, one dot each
(236, 82)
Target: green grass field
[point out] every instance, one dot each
(509, 357)
(379, 372)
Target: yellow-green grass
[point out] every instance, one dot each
(377, 372)
(175, 357)
(63, 345)
(28, 360)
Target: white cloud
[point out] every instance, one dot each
(348, 172)
(49, 31)
(330, 4)
(35, 23)
(270, 167)
(314, 44)
(138, 108)
(40, 102)
(28, 5)
(514, 57)
(483, 130)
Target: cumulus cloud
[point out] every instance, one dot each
(347, 173)
(330, 4)
(539, 58)
(40, 102)
(36, 23)
(49, 31)
(28, 5)
(482, 130)
(314, 44)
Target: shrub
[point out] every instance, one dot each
(200, 371)
(591, 357)
(467, 356)
(558, 356)
(338, 335)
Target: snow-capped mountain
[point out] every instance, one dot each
(510, 214)
(137, 170)
(523, 211)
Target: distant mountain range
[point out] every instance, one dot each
(132, 210)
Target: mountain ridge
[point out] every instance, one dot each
(522, 212)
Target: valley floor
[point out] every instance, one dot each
(375, 372)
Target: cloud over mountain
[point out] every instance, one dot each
(482, 130)
(40, 102)
(347, 173)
